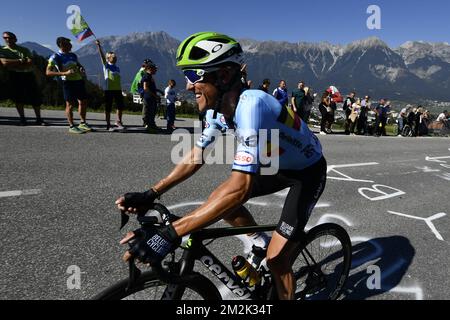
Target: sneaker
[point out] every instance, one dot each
(257, 256)
(119, 126)
(76, 130)
(152, 129)
(40, 122)
(112, 129)
(84, 127)
(323, 133)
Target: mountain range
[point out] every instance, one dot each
(415, 70)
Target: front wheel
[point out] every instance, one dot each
(322, 267)
(150, 287)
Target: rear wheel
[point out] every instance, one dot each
(407, 132)
(322, 267)
(149, 287)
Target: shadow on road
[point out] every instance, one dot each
(392, 255)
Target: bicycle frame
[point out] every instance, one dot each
(197, 251)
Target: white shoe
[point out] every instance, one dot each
(323, 133)
(119, 126)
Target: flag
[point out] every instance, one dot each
(80, 28)
(136, 81)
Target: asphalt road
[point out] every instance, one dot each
(57, 194)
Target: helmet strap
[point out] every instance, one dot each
(224, 88)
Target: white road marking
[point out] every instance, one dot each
(414, 290)
(427, 221)
(344, 177)
(437, 159)
(18, 193)
(328, 216)
(185, 204)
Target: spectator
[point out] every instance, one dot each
(249, 84)
(382, 111)
(362, 127)
(326, 111)
(418, 120)
(171, 97)
(424, 122)
(65, 64)
(23, 88)
(356, 109)
(331, 114)
(309, 100)
(411, 118)
(298, 100)
(281, 94)
(444, 118)
(149, 95)
(348, 103)
(265, 86)
(113, 88)
(403, 118)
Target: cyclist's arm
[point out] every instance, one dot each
(224, 200)
(183, 171)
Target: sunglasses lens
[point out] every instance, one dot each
(192, 76)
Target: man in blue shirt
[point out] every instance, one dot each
(281, 94)
(383, 109)
(64, 64)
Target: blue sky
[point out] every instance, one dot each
(289, 20)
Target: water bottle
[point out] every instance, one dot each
(245, 271)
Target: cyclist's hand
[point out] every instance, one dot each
(151, 245)
(137, 202)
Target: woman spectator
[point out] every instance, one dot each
(354, 115)
(326, 111)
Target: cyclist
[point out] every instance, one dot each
(211, 63)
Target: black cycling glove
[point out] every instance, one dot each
(151, 245)
(140, 199)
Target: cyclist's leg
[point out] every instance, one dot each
(308, 186)
(241, 217)
(279, 258)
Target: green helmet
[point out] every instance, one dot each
(208, 49)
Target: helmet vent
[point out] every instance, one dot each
(184, 48)
(198, 53)
(221, 40)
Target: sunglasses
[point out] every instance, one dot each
(194, 76)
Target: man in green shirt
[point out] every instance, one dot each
(23, 88)
(298, 100)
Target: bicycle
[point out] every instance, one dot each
(407, 131)
(314, 277)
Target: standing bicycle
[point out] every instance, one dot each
(215, 72)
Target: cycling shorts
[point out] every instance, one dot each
(306, 187)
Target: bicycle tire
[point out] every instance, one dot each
(407, 131)
(197, 286)
(313, 281)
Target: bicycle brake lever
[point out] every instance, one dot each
(124, 219)
(135, 273)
